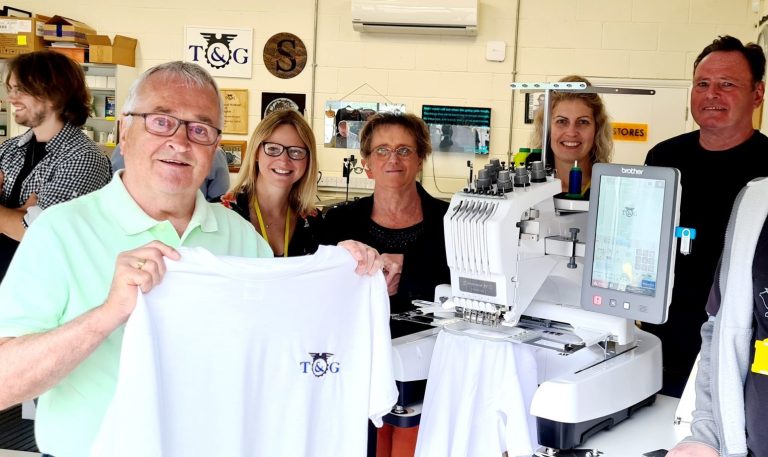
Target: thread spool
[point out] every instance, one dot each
(574, 181)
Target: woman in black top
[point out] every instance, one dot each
(404, 223)
(275, 189)
(400, 220)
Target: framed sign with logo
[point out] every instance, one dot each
(223, 51)
(235, 111)
(235, 152)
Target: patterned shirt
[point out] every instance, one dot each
(73, 166)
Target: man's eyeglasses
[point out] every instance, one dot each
(276, 149)
(167, 125)
(383, 152)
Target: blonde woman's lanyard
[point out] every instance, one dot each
(264, 227)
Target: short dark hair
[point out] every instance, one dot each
(51, 76)
(752, 52)
(410, 122)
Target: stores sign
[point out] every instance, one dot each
(222, 51)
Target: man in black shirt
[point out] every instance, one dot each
(715, 163)
(53, 161)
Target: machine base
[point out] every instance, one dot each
(560, 435)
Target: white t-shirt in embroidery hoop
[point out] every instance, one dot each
(478, 399)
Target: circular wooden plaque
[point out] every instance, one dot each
(285, 55)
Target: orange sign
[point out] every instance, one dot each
(623, 131)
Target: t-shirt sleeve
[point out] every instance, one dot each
(219, 183)
(383, 394)
(33, 293)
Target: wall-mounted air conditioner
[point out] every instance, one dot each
(434, 17)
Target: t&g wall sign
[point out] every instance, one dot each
(285, 55)
(220, 50)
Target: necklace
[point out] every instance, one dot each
(264, 226)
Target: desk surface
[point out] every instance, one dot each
(649, 429)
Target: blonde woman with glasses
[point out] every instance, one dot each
(276, 187)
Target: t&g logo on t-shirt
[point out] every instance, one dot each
(320, 364)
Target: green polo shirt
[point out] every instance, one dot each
(64, 267)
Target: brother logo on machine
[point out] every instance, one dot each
(632, 171)
(320, 364)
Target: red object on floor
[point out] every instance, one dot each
(396, 441)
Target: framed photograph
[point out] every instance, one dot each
(273, 101)
(533, 102)
(344, 119)
(235, 152)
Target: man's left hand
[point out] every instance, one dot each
(368, 259)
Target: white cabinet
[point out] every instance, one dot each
(104, 80)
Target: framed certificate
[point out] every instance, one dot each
(235, 111)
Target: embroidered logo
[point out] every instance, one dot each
(762, 296)
(320, 365)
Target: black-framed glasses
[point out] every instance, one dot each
(276, 149)
(166, 125)
(384, 152)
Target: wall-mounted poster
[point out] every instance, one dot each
(223, 51)
(343, 121)
(458, 128)
(235, 111)
(272, 101)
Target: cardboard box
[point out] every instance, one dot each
(21, 35)
(76, 54)
(122, 51)
(60, 28)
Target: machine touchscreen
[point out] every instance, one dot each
(629, 262)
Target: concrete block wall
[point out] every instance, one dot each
(625, 39)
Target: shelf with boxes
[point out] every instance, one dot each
(108, 65)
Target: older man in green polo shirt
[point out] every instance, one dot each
(74, 280)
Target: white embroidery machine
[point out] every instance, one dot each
(517, 264)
